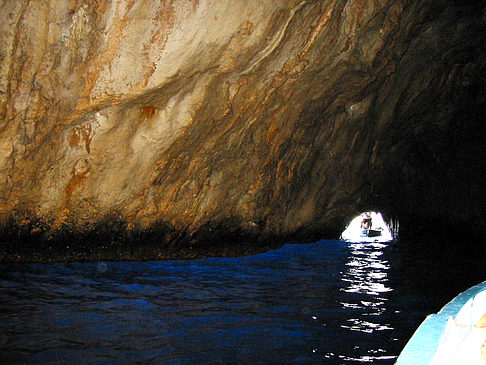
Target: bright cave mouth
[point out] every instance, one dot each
(369, 226)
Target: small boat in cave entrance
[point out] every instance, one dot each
(367, 227)
(455, 335)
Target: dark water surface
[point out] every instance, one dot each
(329, 302)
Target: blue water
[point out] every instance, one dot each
(328, 302)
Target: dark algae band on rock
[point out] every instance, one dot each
(279, 118)
(111, 241)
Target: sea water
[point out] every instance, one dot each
(328, 302)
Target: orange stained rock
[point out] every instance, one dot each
(80, 171)
(83, 133)
(106, 57)
(147, 112)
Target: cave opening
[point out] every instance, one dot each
(370, 226)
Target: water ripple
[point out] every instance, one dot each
(327, 302)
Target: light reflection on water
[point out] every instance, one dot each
(366, 279)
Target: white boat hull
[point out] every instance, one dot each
(451, 336)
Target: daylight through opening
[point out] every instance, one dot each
(368, 227)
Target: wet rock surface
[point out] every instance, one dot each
(161, 127)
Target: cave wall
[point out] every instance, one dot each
(261, 118)
(432, 151)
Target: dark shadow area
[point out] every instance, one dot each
(110, 240)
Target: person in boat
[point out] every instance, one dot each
(366, 222)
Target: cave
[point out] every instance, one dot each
(176, 177)
(147, 129)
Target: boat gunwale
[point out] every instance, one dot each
(421, 347)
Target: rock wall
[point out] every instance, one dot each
(206, 120)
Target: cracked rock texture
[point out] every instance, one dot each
(207, 121)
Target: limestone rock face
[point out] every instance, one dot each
(260, 117)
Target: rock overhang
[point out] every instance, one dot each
(252, 119)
